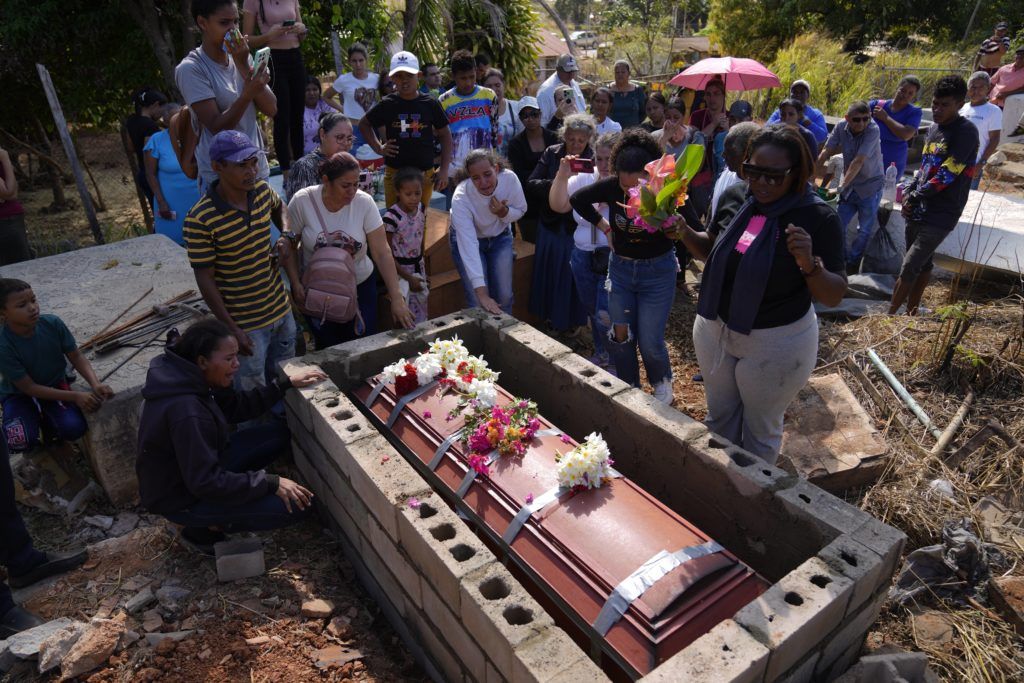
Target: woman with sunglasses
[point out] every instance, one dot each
(772, 248)
(524, 151)
(335, 135)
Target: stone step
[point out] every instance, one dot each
(1014, 151)
(1011, 172)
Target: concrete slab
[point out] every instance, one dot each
(829, 438)
(87, 289)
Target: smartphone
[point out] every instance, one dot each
(262, 60)
(290, 22)
(581, 165)
(567, 96)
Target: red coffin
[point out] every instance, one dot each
(573, 554)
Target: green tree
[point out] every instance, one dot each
(506, 30)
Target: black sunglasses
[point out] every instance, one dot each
(769, 176)
(528, 114)
(859, 119)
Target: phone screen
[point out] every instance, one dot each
(290, 22)
(582, 165)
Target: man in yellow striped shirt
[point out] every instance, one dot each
(227, 234)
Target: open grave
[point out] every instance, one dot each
(465, 603)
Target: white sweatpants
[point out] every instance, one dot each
(750, 379)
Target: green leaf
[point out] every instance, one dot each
(648, 202)
(670, 189)
(691, 159)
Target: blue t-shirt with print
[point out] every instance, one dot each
(39, 356)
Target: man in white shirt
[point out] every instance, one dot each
(986, 117)
(565, 71)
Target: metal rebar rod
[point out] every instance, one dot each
(904, 395)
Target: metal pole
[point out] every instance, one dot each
(904, 394)
(69, 150)
(970, 22)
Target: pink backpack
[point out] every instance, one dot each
(330, 282)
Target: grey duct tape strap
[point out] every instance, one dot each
(404, 401)
(375, 393)
(538, 504)
(467, 481)
(442, 449)
(649, 573)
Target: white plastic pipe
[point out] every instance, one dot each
(904, 394)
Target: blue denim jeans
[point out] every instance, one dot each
(23, 416)
(591, 290)
(641, 297)
(979, 171)
(248, 450)
(271, 345)
(497, 258)
(866, 210)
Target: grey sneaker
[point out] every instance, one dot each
(663, 391)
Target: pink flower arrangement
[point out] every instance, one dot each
(507, 430)
(652, 203)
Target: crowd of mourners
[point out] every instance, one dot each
(554, 169)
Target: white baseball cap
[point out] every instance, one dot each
(404, 61)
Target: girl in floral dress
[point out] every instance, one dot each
(404, 222)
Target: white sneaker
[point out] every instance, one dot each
(663, 391)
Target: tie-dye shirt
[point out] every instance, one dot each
(472, 120)
(940, 187)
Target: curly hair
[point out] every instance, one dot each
(635, 149)
(462, 61)
(951, 86)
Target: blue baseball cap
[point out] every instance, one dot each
(232, 145)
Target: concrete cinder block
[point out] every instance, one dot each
(501, 615)
(831, 516)
(802, 672)
(298, 399)
(857, 562)
(433, 642)
(456, 634)
(523, 351)
(395, 560)
(885, 540)
(382, 484)
(337, 421)
(441, 547)
(725, 654)
(351, 363)
(552, 656)
(239, 559)
(850, 634)
(793, 616)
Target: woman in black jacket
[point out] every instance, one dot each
(191, 469)
(553, 296)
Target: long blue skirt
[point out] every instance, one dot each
(553, 295)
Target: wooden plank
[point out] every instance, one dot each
(69, 150)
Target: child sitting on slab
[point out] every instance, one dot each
(34, 390)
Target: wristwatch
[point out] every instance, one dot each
(818, 266)
(292, 237)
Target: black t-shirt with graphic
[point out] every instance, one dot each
(411, 123)
(628, 239)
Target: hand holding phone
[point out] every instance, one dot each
(262, 60)
(581, 165)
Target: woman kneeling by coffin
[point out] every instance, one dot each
(191, 469)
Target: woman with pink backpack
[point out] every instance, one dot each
(338, 230)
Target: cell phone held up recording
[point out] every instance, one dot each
(262, 60)
(581, 165)
(567, 96)
(288, 24)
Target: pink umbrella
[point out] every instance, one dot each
(739, 73)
